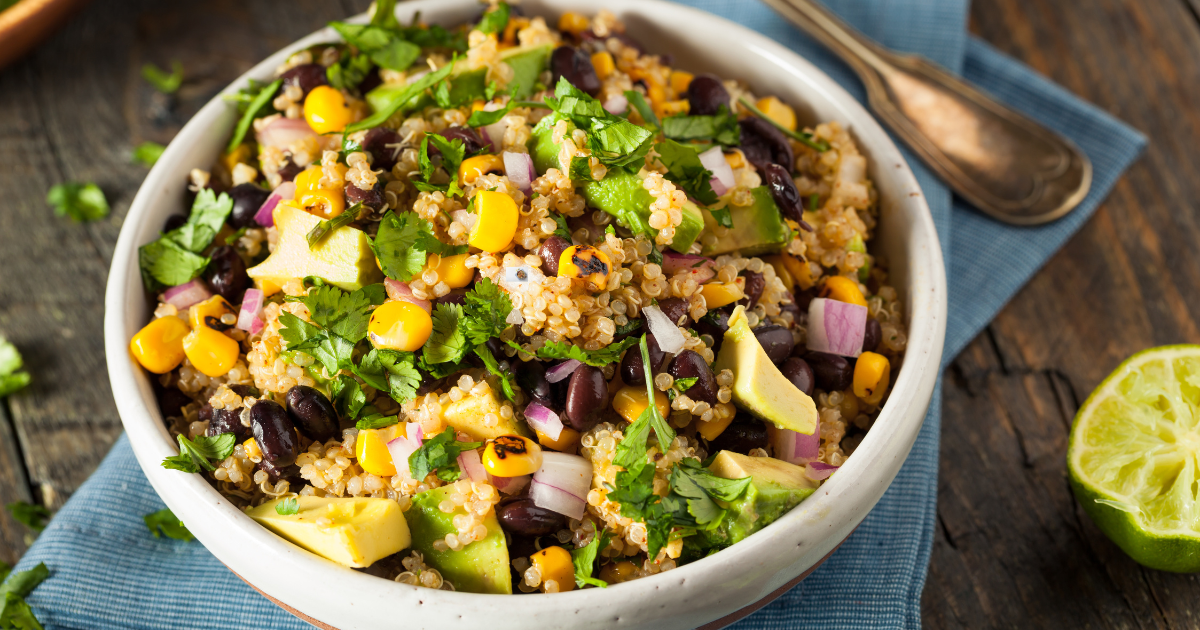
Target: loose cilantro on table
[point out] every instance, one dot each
(166, 522)
(81, 202)
(288, 506)
(15, 614)
(195, 454)
(30, 515)
(160, 80)
(175, 257)
(685, 169)
(11, 379)
(402, 243)
(721, 127)
(584, 559)
(148, 153)
(254, 98)
(439, 453)
(494, 20)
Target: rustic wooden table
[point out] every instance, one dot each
(1012, 547)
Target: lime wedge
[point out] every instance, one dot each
(1134, 457)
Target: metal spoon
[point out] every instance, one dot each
(999, 160)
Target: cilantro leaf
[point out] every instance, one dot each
(165, 263)
(210, 211)
(30, 515)
(160, 80)
(401, 99)
(195, 454)
(385, 14)
(631, 452)
(395, 244)
(439, 452)
(347, 396)
(22, 584)
(681, 385)
(261, 99)
(10, 362)
(81, 202)
(722, 215)
(721, 127)
(685, 169)
(639, 103)
(628, 327)
(453, 150)
(349, 71)
(343, 314)
(595, 358)
(333, 351)
(486, 308)
(15, 614)
(166, 522)
(613, 140)
(489, 361)
(148, 153)
(376, 421)
(371, 369)
(288, 506)
(447, 343)
(584, 559)
(403, 378)
(563, 229)
(494, 20)
(581, 170)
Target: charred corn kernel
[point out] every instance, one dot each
(567, 440)
(781, 271)
(239, 155)
(324, 202)
(680, 81)
(617, 572)
(159, 345)
(778, 111)
(472, 168)
(554, 563)
(497, 221)
(672, 108)
(510, 30)
(399, 325)
(454, 272)
(800, 270)
(512, 456)
(210, 351)
(326, 110)
(630, 402)
(736, 159)
(872, 372)
(713, 428)
(252, 450)
(214, 307)
(718, 294)
(843, 290)
(603, 63)
(573, 23)
(586, 263)
(372, 452)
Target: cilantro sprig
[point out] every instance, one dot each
(198, 453)
(584, 559)
(392, 371)
(161, 80)
(15, 614)
(147, 153)
(403, 244)
(494, 20)
(288, 506)
(611, 353)
(80, 202)
(721, 127)
(175, 258)
(168, 524)
(613, 140)
(685, 169)
(12, 378)
(439, 453)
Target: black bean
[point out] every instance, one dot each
(289, 170)
(274, 432)
(689, 364)
(291, 472)
(525, 518)
(531, 376)
(247, 199)
(744, 434)
(576, 66)
(763, 144)
(306, 76)
(455, 296)
(676, 310)
(872, 336)
(587, 396)
(800, 374)
(472, 141)
(227, 274)
(372, 199)
(783, 190)
(370, 82)
(804, 298)
(227, 421)
(715, 323)
(312, 413)
(550, 251)
(376, 143)
(831, 371)
(206, 412)
(174, 221)
(755, 283)
(791, 307)
(632, 372)
(171, 402)
(776, 341)
(706, 94)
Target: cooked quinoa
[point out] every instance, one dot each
(459, 265)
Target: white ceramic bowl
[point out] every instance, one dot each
(691, 596)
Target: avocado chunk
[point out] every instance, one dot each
(480, 567)
(620, 193)
(775, 487)
(362, 530)
(758, 386)
(757, 228)
(343, 258)
(467, 415)
(527, 64)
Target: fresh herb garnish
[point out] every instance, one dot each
(447, 342)
(15, 614)
(30, 515)
(639, 103)
(392, 371)
(166, 522)
(385, 47)
(721, 127)
(685, 169)
(563, 229)
(174, 258)
(160, 80)
(148, 153)
(288, 506)
(322, 229)
(584, 559)
(81, 202)
(486, 308)
(595, 358)
(233, 238)
(347, 396)
(195, 454)
(680, 386)
(493, 366)
(482, 118)
(11, 379)
(581, 170)
(376, 421)
(628, 327)
(494, 20)
(804, 138)
(401, 99)
(402, 243)
(439, 453)
(349, 71)
(260, 99)
(813, 201)
(613, 140)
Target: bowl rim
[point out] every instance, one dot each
(837, 506)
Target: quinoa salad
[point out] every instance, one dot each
(517, 305)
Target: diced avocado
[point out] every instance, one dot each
(480, 567)
(758, 386)
(467, 415)
(757, 228)
(363, 530)
(527, 64)
(776, 487)
(343, 258)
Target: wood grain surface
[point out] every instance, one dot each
(1012, 548)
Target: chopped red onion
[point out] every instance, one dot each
(666, 333)
(510, 485)
(265, 215)
(494, 133)
(399, 291)
(819, 470)
(562, 370)
(283, 132)
(472, 466)
(836, 327)
(616, 105)
(556, 499)
(699, 268)
(518, 167)
(401, 448)
(562, 483)
(717, 186)
(794, 447)
(714, 160)
(250, 316)
(544, 420)
(415, 433)
(186, 294)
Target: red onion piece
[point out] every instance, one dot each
(414, 432)
(510, 485)
(401, 448)
(251, 311)
(819, 470)
(666, 333)
(562, 370)
(718, 187)
(544, 420)
(616, 105)
(562, 483)
(494, 133)
(265, 215)
(556, 499)
(472, 466)
(399, 291)
(714, 160)
(518, 167)
(283, 132)
(796, 448)
(836, 327)
(699, 268)
(184, 295)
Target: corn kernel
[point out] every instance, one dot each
(617, 572)
(604, 65)
(399, 325)
(713, 428)
(515, 23)
(680, 81)
(630, 402)
(472, 167)
(158, 346)
(554, 563)
(454, 272)
(657, 94)
(372, 451)
(567, 440)
(512, 456)
(252, 450)
(210, 351)
(573, 23)
(497, 223)
(843, 290)
(717, 294)
(326, 110)
(672, 108)
(213, 307)
(736, 159)
(778, 111)
(324, 202)
(781, 271)
(586, 263)
(872, 372)
(799, 269)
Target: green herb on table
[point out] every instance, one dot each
(15, 614)
(199, 453)
(804, 138)
(11, 378)
(30, 515)
(148, 153)
(439, 453)
(81, 202)
(160, 80)
(288, 506)
(166, 522)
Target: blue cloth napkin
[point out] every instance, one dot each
(108, 572)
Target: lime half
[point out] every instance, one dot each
(1134, 457)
